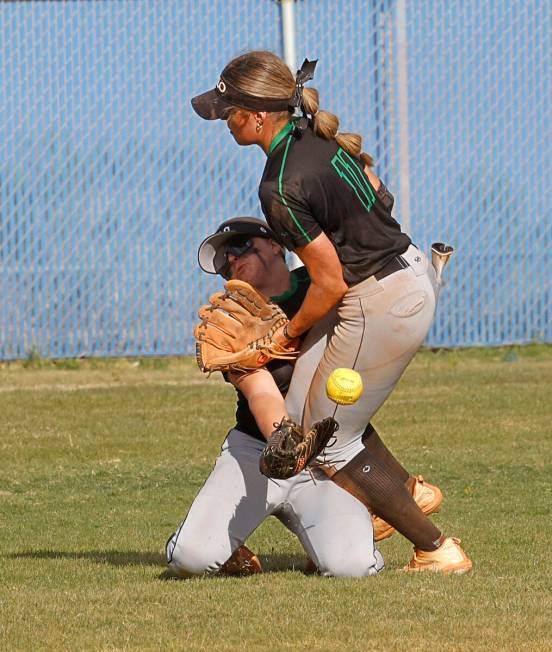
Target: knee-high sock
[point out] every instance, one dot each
(372, 442)
(385, 495)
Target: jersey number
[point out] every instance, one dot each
(350, 172)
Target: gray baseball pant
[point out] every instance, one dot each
(376, 330)
(334, 528)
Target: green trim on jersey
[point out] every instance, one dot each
(280, 190)
(288, 293)
(349, 171)
(279, 137)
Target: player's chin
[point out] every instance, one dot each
(241, 277)
(236, 138)
(243, 274)
(240, 140)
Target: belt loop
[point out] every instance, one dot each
(403, 262)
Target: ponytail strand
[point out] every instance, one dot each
(326, 126)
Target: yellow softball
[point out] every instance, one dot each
(344, 386)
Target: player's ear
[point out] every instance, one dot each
(277, 248)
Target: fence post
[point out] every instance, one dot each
(290, 57)
(404, 152)
(288, 33)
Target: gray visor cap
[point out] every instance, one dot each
(210, 254)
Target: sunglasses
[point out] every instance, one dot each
(236, 247)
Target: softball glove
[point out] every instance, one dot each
(288, 450)
(236, 329)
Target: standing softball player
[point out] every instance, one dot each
(323, 201)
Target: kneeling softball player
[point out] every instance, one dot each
(333, 527)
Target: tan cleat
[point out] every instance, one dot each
(428, 497)
(448, 558)
(242, 562)
(382, 529)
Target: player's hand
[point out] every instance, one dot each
(282, 341)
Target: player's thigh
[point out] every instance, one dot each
(312, 351)
(234, 500)
(378, 334)
(334, 528)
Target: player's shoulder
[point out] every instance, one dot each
(295, 178)
(314, 146)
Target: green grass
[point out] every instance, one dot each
(100, 460)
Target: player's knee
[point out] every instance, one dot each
(355, 564)
(189, 558)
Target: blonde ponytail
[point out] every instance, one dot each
(326, 126)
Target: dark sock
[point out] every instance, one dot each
(387, 496)
(379, 451)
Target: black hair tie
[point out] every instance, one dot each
(296, 106)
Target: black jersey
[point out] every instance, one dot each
(311, 185)
(281, 370)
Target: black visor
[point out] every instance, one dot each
(212, 251)
(217, 103)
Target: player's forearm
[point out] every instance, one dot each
(264, 399)
(267, 410)
(319, 300)
(327, 286)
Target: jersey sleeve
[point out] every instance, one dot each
(289, 214)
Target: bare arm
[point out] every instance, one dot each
(265, 400)
(327, 285)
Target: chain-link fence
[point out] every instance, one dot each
(109, 181)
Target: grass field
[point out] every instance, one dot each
(100, 460)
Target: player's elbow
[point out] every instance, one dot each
(333, 288)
